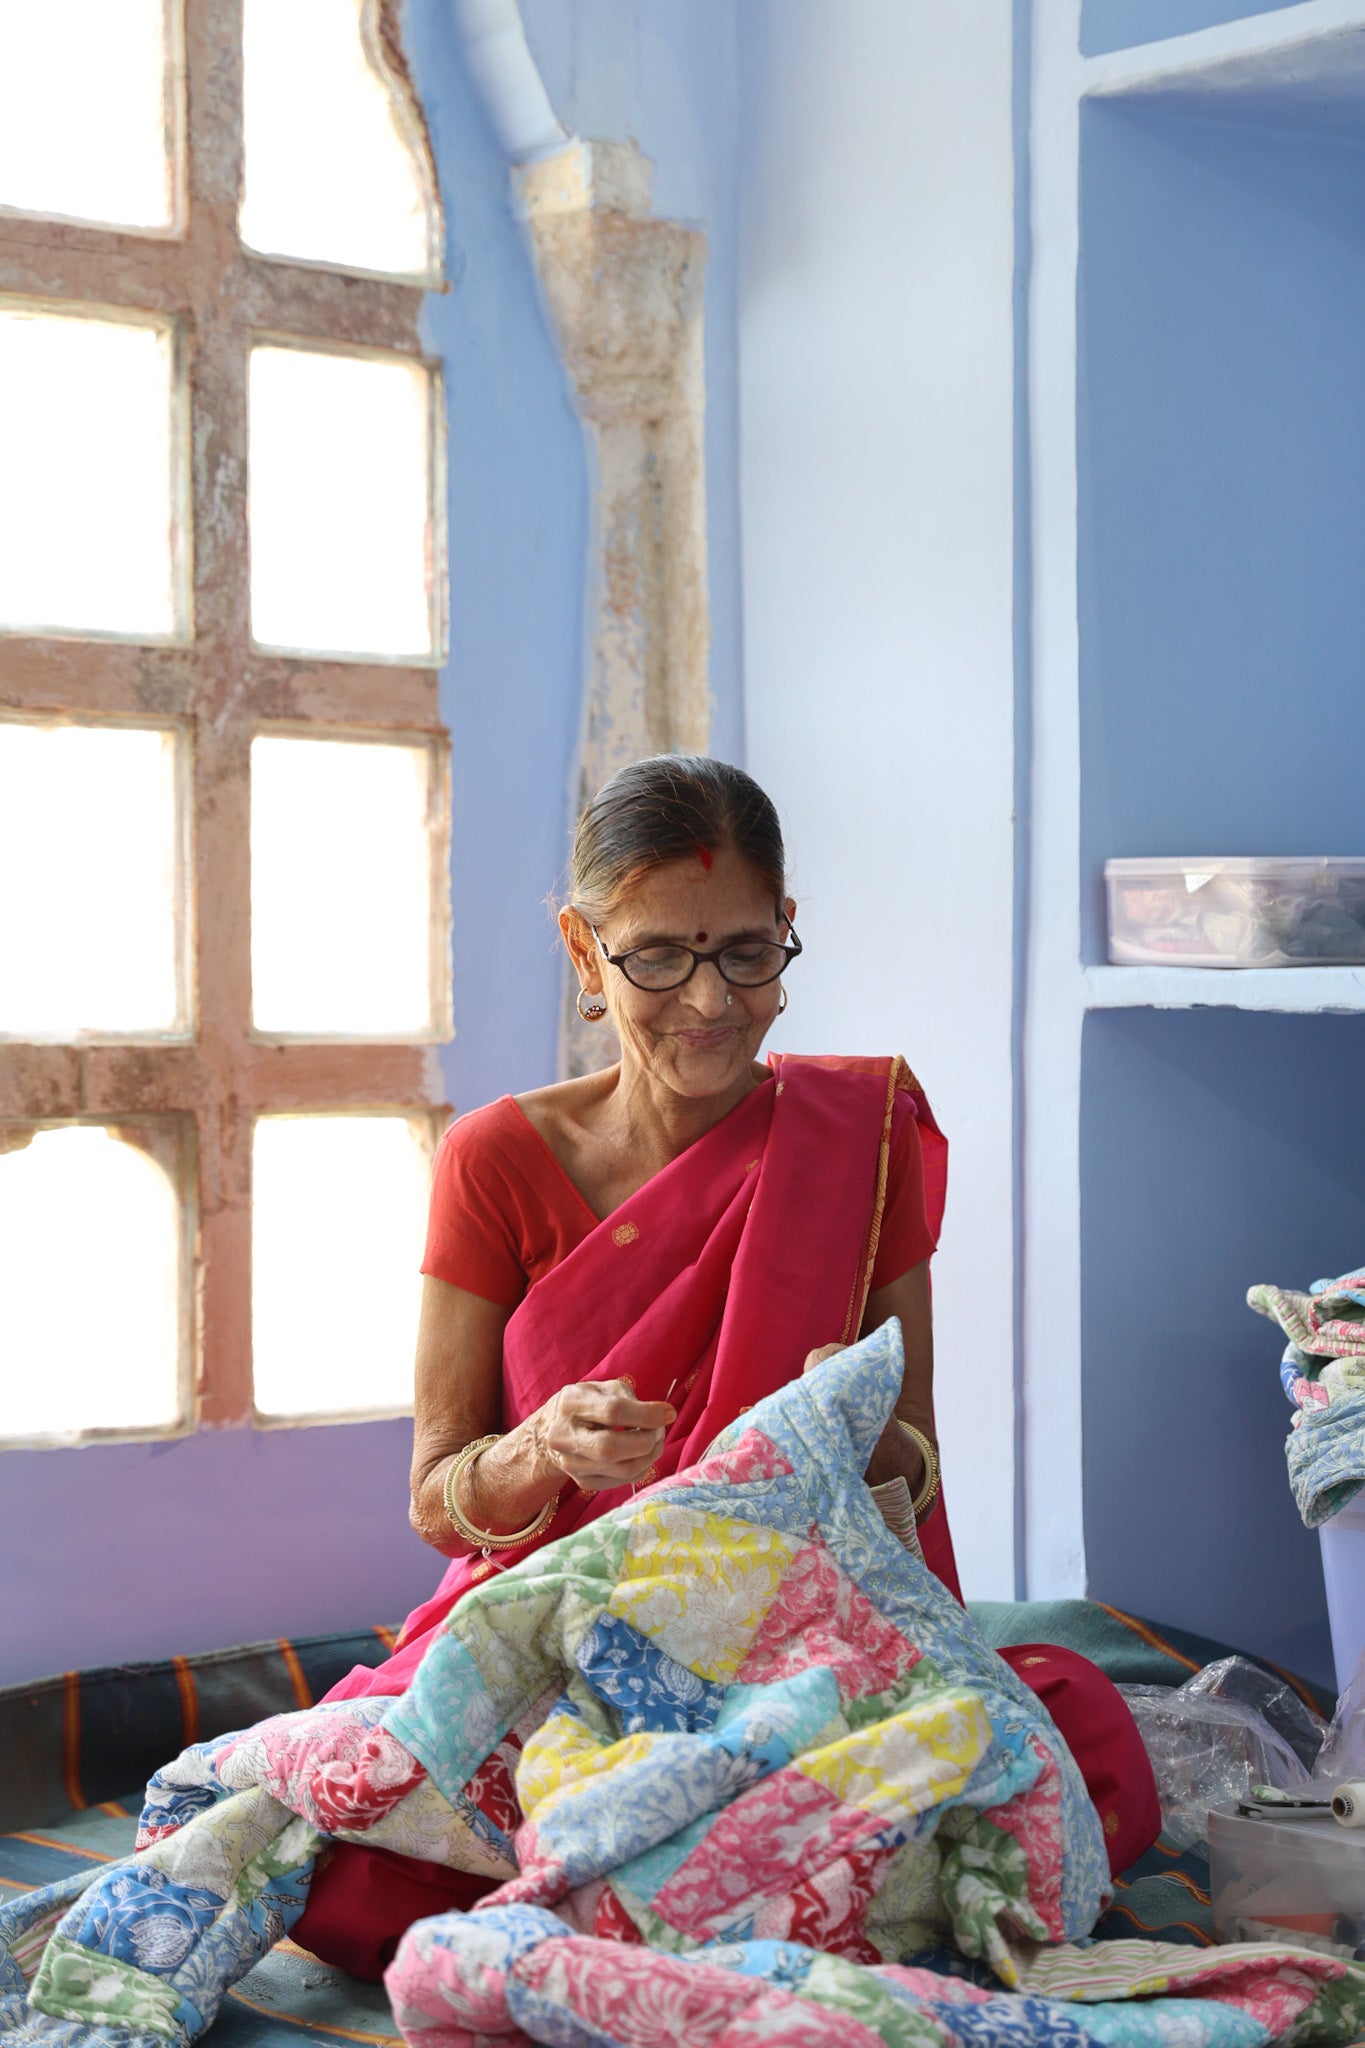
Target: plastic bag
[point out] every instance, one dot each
(1206, 1751)
(1247, 1685)
(1342, 1756)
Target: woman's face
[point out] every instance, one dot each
(692, 1039)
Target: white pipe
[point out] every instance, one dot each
(508, 79)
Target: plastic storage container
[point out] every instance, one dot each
(1343, 1571)
(1236, 913)
(1300, 1880)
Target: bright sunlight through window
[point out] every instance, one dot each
(339, 1209)
(329, 175)
(342, 554)
(89, 856)
(341, 888)
(92, 1328)
(83, 111)
(86, 489)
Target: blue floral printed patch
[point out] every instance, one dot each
(652, 1693)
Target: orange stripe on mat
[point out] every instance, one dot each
(305, 1699)
(189, 1699)
(1205, 1940)
(386, 1637)
(1149, 1635)
(112, 1807)
(312, 2026)
(71, 1739)
(1182, 1877)
(67, 1848)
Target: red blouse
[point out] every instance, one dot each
(504, 1212)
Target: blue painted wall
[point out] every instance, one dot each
(118, 1552)
(1115, 24)
(1222, 522)
(518, 512)
(1218, 1148)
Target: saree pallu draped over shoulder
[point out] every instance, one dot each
(710, 1286)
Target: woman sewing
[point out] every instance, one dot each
(617, 1266)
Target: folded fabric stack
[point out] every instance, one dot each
(1323, 1373)
(749, 1775)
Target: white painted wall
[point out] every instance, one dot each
(876, 400)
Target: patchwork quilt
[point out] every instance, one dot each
(1323, 1373)
(746, 1773)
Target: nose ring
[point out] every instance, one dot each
(729, 999)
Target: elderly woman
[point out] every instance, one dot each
(618, 1266)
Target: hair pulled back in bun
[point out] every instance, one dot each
(666, 808)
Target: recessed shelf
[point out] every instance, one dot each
(1294, 990)
(1304, 62)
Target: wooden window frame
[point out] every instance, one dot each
(216, 686)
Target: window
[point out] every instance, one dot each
(224, 954)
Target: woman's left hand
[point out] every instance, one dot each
(896, 1455)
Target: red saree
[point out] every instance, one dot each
(708, 1288)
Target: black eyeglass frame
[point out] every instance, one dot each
(618, 960)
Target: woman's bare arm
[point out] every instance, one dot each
(458, 1397)
(595, 1433)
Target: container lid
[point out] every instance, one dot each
(1134, 867)
(1298, 1831)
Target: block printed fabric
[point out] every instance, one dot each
(748, 1774)
(1323, 1374)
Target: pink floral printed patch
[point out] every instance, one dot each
(336, 1773)
(638, 1998)
(1271, 1992)
(820, 1617)
(828, 1910)
(438, 1999)
(541, 1879)
(782, 1832)
(755, 1456)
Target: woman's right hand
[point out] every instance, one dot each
(597, 1434)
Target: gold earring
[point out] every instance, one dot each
(783, 1004)
(591, 1008)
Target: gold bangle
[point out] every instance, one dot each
(485, 1539)
(928, 1493)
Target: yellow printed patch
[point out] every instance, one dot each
(914, 1759)
(562, 1754)
(699, 1585)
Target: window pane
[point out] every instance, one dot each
(83, 131)
(330, 176)
(90, 1323)
(340, 503)
(86, 489)
(89, 881)
(341, 872)
(339, 1207)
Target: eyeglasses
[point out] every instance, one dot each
(748, 963)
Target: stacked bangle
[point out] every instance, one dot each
(928, 1493)
(485, 1539)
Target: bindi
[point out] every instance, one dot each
(701, 938)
